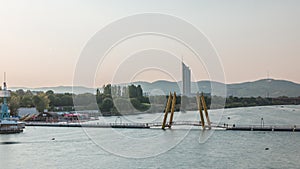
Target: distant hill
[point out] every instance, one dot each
(263, 88)
(59, 89)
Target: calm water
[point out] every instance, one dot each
(154, 148)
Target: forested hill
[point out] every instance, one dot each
(263, 88)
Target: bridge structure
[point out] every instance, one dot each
(170, 108)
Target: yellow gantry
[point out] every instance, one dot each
(172, 110)
(200, 110)
(171, 103)
(167, 109)
(205, 111)
(202, 106)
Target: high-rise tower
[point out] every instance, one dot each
(186, 80)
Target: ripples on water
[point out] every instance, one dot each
(44, 147)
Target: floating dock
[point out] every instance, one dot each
(265, 128)
(158, 125)
(96, 125)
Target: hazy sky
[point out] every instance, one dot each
(41, 41)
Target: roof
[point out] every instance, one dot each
(24, 111)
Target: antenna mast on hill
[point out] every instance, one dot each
(269, 82)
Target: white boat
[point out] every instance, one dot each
(11, 126)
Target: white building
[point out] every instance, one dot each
(186, 80)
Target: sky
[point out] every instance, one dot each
(41, 41)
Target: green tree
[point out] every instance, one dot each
(26, 101)
(107, 89)
(20, 92)
(107, 105)
(132, 91)
(41, 102)
(49, 92)
(139, 92)
(67, 100)
(14, 104)
(84, 99)
(98, 93)
(51, 98)
(28, 93)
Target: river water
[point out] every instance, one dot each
(179, 147)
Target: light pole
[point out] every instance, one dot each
(262, 122)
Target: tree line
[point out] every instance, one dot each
(65, 102)
(117, 100)
(232, 102)
(40, 100)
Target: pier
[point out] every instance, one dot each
(264, 128)
(94, 125)
(114, 125)
(157, 125)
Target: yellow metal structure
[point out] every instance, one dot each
(172, 110)
(200, 111)
(201, 106)
(205, 111)
(167, 109)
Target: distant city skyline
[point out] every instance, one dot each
(41, 41)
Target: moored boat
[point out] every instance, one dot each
(11, 127)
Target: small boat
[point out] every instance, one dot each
(11, 126)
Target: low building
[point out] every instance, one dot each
(23, 111)
(47, 117)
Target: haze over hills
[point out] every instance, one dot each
(59, 89)
(263, 88)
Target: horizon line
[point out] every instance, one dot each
(155, 82)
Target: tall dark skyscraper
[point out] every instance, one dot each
(186, 80)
